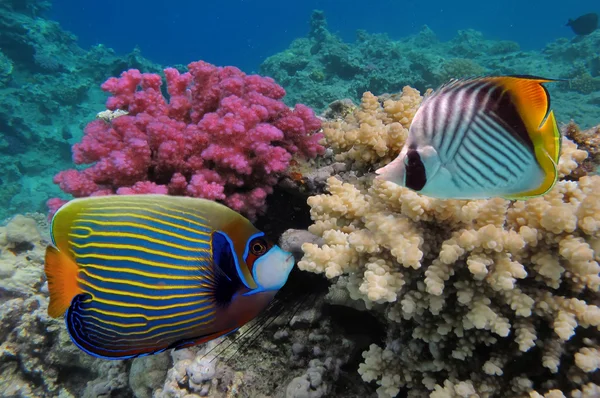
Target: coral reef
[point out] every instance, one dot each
(48, 91)
(321, 68)
(587, 140)
(21, 246)
(222, 135)
(373, 134)
(466, 287)
(37, 358)
(486, 298)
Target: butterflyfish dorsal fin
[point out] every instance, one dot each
(530, 98)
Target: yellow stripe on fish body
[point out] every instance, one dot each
(479, 138)
(139, 274)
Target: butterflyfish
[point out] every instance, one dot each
(479, 138)
(137, 275)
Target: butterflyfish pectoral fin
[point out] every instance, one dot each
(61, 272)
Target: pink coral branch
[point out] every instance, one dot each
(220, 135)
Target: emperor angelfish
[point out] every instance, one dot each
(480, 138)
(137, 275)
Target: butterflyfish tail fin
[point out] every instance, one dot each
(61, 272)
(548, 155)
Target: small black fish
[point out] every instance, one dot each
(585, 24)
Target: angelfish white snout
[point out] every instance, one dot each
(271, 270)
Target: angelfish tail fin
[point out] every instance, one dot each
(61, 272)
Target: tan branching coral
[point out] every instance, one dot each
(468, 287)
(373, 133)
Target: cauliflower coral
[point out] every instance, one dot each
(486, 298)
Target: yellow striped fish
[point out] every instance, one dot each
(137, 275)
(479, 138)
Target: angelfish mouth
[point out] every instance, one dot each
(290, 258)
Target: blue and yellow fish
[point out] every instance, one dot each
(137, 275)
(480, 138)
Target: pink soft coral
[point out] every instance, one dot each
(221, 135)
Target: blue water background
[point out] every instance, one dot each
(244, 33)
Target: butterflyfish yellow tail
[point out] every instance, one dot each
(61, 272)
(532, 102)
(547, 152)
